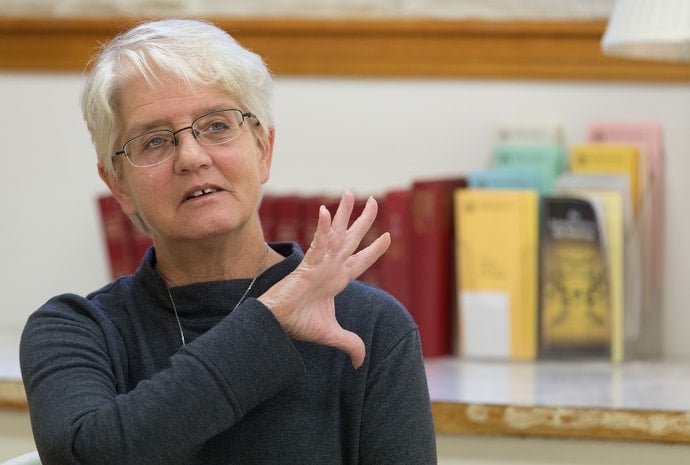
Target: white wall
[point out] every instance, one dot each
(367, 135)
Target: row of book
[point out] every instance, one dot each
(549, 251)
(573, 266)
(567, 263)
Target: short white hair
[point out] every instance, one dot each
(195, 51)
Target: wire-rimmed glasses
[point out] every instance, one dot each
(155, 147)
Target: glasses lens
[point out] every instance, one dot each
(218, 127)
(151, 148)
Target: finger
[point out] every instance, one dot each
(360, 226)
(342, 214)
(319, 244)
(365, 220)
(365, 258)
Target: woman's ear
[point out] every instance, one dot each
(265, 146)
(118, 189)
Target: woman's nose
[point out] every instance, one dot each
(189, 154)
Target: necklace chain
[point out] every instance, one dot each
(246, 292)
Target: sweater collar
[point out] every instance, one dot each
(214, 297)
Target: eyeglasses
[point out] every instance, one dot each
(154, 147)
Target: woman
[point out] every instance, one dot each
(220, 349)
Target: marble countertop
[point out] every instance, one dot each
(641, 385)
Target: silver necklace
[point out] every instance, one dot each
(251, 283)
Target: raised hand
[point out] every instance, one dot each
(303, 301)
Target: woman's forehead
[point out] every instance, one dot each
(141, 102)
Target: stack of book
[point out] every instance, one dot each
(559, 251)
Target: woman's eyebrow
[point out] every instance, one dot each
(142, 128)
(162, 123)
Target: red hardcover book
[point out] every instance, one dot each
(287, 214)
(117, 234)
(433, 265)
(267, 216)
(396, 263)
(373, 275)
(310, 218)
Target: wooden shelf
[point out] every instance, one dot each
(562, 422)
(565, 50)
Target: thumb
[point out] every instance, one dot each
(352, 344)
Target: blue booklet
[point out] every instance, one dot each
(506, 178)
(547, 159)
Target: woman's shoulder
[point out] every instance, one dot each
(383, 323)
(75, 306)
(370, 305)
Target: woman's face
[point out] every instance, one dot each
(163, 195)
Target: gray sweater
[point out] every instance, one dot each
(108, 381)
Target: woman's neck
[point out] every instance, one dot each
(182, 264)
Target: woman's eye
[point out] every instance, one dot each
(219, 126)
(154, 143)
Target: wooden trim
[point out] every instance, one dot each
(12, 395)
(565, 50)
(563, 422)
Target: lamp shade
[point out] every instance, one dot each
(649, 29)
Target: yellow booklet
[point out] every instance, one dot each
(612, 158)
(496, 255)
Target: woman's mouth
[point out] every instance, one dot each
(201, 192)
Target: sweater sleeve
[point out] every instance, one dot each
(78, 417)
(397, 425)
